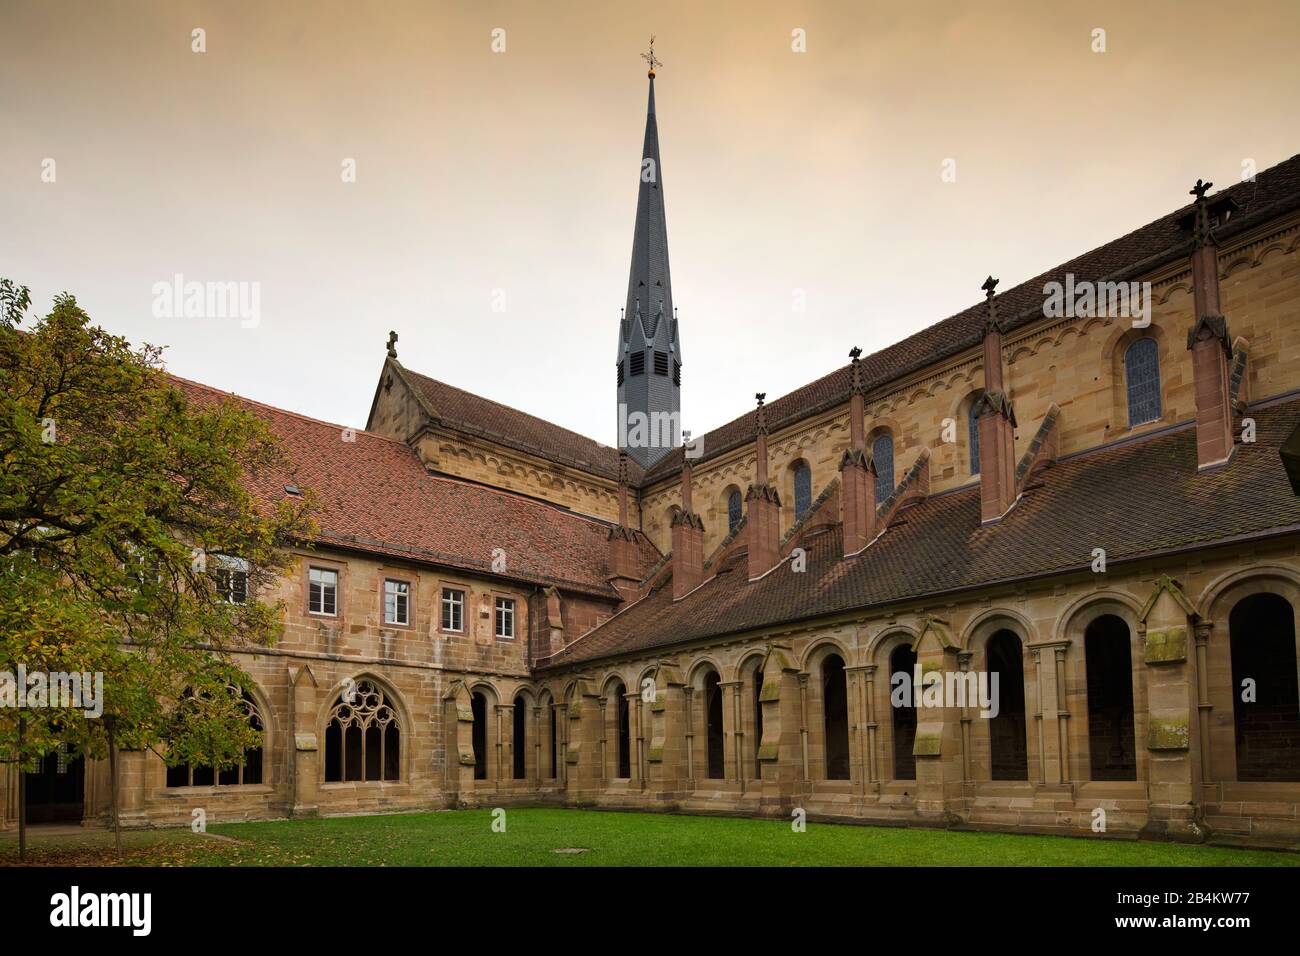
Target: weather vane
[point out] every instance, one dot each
(650, 57)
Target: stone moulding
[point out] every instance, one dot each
(1166, 645)
(1168, 733)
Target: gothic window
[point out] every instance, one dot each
(802, 490)
(758, 721)
(882, 454)
(973, 434)
(903, 660)
(322, 591)
(713, 725)
(835, 717)
(397, 602)
(520, 737)
(622, 730)
(661, 363)
(638, 363)
(231, 578)
(1142, 378)
(555, 743)
(478, 734)
(249, 769)
(733, 509)
(453, 609)
(1112, 751)
(505, 618)
(1008, 747)
(362, 736)
(1265, 702)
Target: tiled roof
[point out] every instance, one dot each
(1134, 499)
(508, 426)
(1275, 191)
(374, 495)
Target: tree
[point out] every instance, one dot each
(126, 507)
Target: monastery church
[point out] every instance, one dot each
(1102, 513)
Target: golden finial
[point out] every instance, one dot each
(651, 59)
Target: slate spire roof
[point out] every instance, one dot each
(649, 285)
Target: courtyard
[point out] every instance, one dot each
(563, 837)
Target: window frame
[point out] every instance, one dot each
(410, 604)
(497, 619)
(224, 572)
(443, 590)
(338, 581)
(1148, 384)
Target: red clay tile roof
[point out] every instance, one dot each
(1134, 499)
(374, 495)
(508, 426)
(1274, 192)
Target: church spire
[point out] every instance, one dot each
(649, 352)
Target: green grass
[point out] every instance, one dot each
(466, 838)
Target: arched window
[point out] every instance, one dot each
(713, 725)
(552, 769)
(835, 717)
(758, 722)
(882, 454)
(1142, 380)
(973, 433)
(1265, 701)
(1008, 747)
(903, 660)
(733, 509)
(802, 489)
(624, 730)
(520, 740)
(249, 769)
(1112, 751)
(362, 737)
(478, 734)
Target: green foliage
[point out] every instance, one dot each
(118, 494)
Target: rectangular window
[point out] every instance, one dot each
(323, 591)
(231, 578)
(506, 618)
(453, 609)
(397, 602)
(638, 363)
(661, 363)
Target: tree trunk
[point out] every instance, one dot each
(22, 790)
(112, 777)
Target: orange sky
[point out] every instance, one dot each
(516, 171)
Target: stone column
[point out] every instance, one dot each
(1173, 737)
(940, 765)
(731, 732)
(304, 762)
(458, 730)
(859, 770)
(872, 758)
(781, 750)
(667, 756)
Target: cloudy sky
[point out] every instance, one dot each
(489, 181)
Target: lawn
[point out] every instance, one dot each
(532, 837)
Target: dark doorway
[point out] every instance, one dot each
(478, 703)
(1112, 751)
(903, 661)
(1262, 634)
(520, 738)
(835, 707)
(624, 732)
(56, 791)
(713, 721)
(1009, 752)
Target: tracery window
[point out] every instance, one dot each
(973, 434)
(362, 736)
(882, 454)
(1142, 379)
(802, 490)
(733, 510)
(249, 769)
